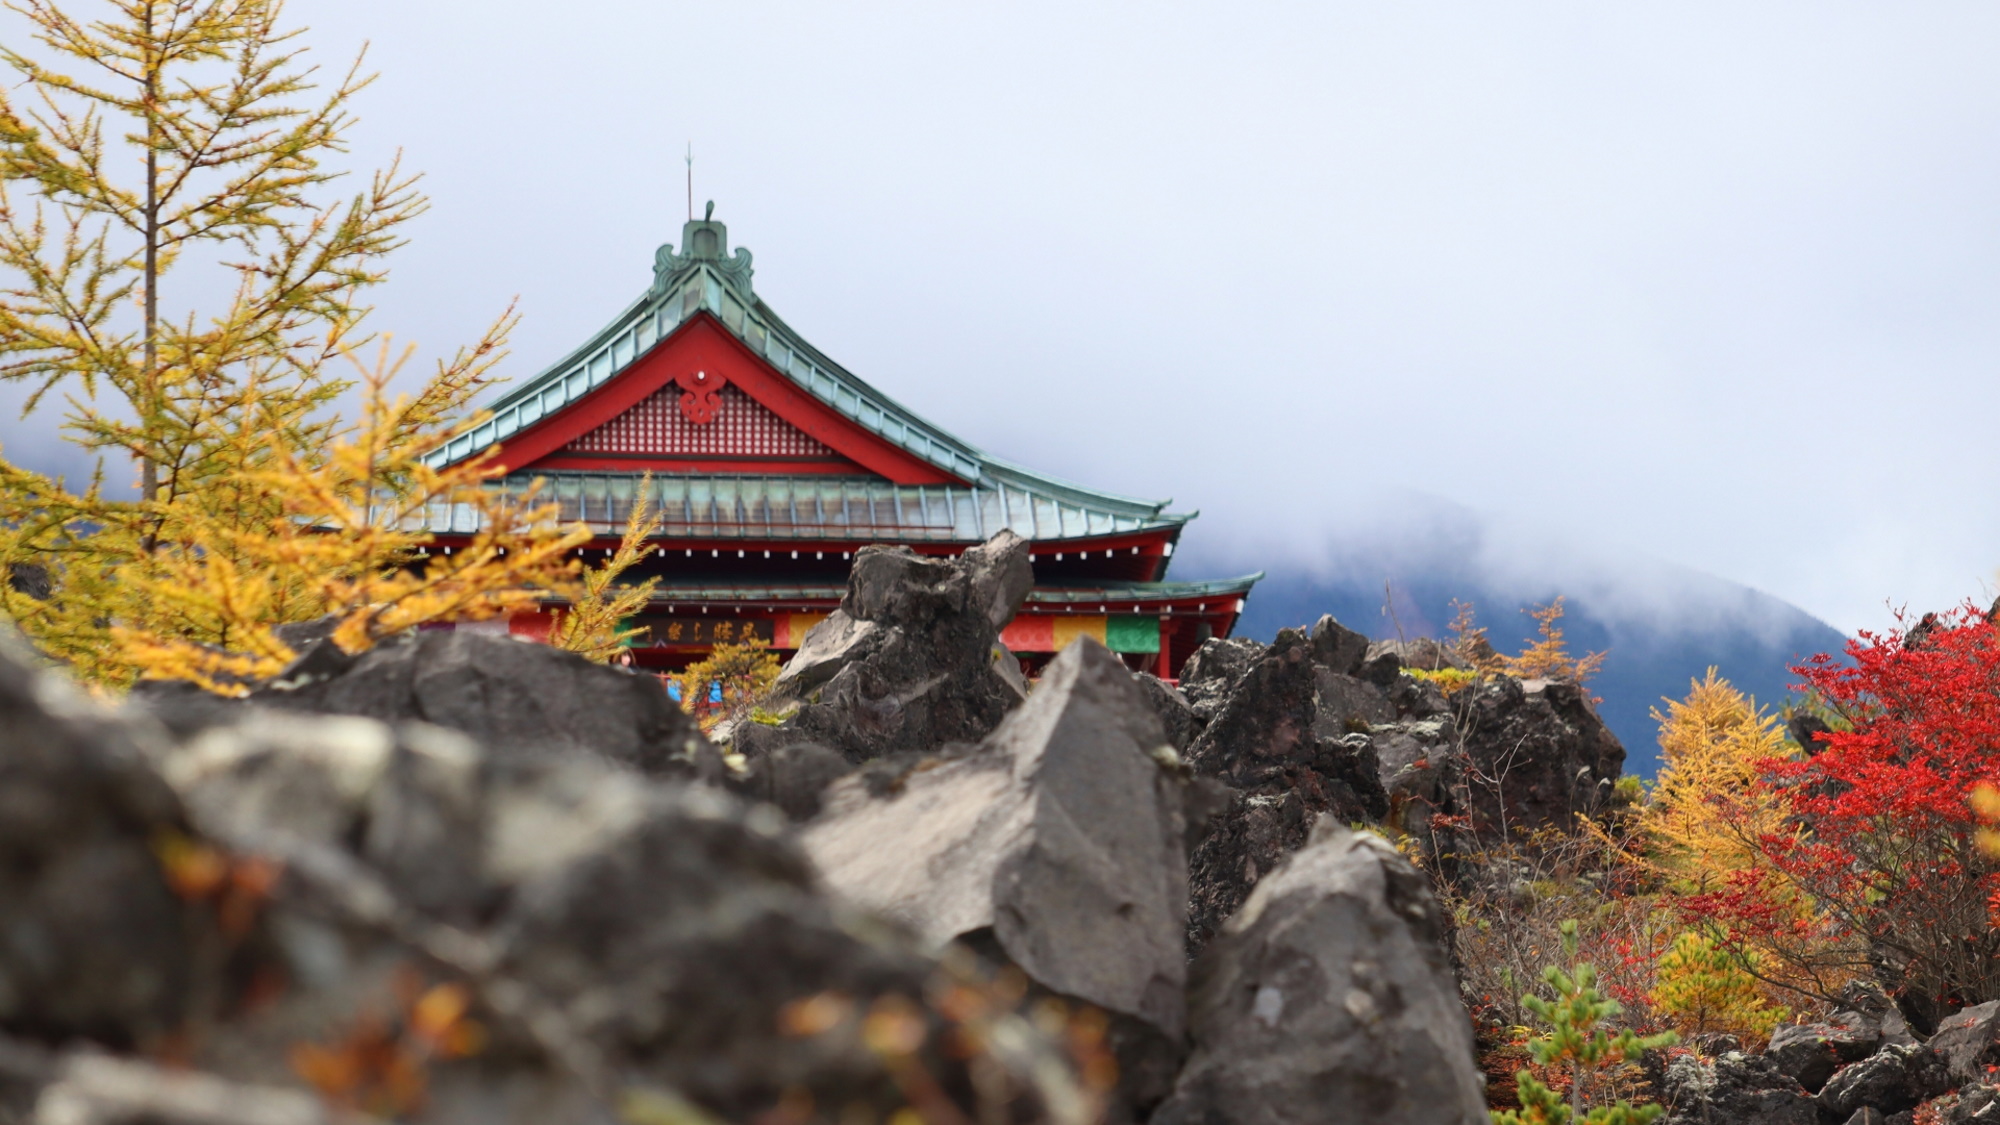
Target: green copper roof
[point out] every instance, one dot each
(1083, 598)
(704, 278)
(869, 509)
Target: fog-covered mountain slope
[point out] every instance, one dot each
(1660, 624)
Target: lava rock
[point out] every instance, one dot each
(1803, 1053)
(1176, 717)
(1976, 1103)
(1263, 744)
(1895, 1078)
(793, 778)
(1538, 754)
(518, 700)
(1061, 836)
(1328, 997)
(1736, 1088)
(1337, 648)
(911, 660)
(93, 942)
(1969, 1041)
(96, 1090)
(1345, 705)
(1211, 674)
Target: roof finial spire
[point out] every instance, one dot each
(709, 215)
(690, 159)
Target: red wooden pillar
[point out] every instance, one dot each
(1166, 664)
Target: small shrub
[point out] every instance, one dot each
(1703, 987)
(1578, 1041)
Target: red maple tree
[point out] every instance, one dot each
(1884, 842)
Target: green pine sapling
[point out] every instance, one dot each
(1578, 1038)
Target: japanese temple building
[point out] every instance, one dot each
(771, 465)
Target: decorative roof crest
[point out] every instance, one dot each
(703, 241)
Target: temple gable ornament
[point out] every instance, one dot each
(700, 402)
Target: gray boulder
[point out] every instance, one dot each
(1327, 997)
(1177, 717)
(1896, 1078)
(97, 1090)
(93, 942)
(1803, 1053)
(1059, 839)
(1969, 1041)
(1735, 1089)
(1976, 1103)
(911, 660)
(791, 777)
(518, 700)
(1810, 1053)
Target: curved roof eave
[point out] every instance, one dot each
(699, 288)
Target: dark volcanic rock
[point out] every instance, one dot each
(912, 658)
(621, 925)
(1737, 1089)
(1263, 744)
(1345, 705)
(1895, 1078)
(1969, 1041)
(1810, 1053)
(1802, 1053)
(95, 1090)
(1213, 671)
(1059, 839)
(1177, 718)
(1328, 998)
(519, 700)
(792, 777)
(1337, 648)
(92, 940)
(1536, 754)
(1976, 1103)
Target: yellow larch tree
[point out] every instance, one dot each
(184, 141)
(594, 624)
(1704, 815)
(1548, 657)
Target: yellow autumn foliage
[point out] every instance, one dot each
(1704, 816)
(156, 142)
(594, 624)
(1702, 986)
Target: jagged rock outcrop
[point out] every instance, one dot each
(1212, 672)
(1327, 997)
(911, 660)
(518, 700)
(1264, 744)
(1535, 753)
(1058, 840)
(1735, 1088)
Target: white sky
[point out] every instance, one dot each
(1712, 281)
